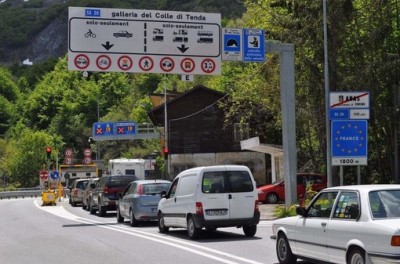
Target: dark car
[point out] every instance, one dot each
(140, 200)
(107, 191)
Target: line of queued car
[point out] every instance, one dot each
(131, 198)
(208, 197)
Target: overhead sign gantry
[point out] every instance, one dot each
(144, 41)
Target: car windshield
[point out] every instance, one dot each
(385, 204)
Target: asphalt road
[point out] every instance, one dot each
(35, 234)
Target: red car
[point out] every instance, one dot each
(272, 193)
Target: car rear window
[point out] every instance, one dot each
(385, 204)
(227, 181)
(120, 181)
(155, 188)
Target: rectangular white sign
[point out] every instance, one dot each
(348, 161)
(349, 99)
(130, 40)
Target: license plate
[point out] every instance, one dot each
(216, 212)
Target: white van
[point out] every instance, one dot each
(210, 197)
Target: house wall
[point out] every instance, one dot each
(254, 160)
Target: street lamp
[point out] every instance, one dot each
(90, 140)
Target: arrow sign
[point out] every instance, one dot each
(107, 46)
(183, 48)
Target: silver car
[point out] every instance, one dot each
(86, 192)
(139, 201)
(76, 192)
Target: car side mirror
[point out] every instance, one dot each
(163, 194)
(92, 186)
(301, 211)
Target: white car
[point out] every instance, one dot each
(346, 224)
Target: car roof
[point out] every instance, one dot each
(217, 168)
(365, 188)
(152, 181)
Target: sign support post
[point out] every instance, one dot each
(287, 87)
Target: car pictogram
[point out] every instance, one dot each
(123, 34)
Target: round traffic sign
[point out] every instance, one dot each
(81, 61)
(44, 175)
(167, 64)
(87, 152)
(54, 175)
(187, 65)
(68, 160)
(208, 65)
(146, 63)
(87, 160)
(125, 63)
(103, 62)
(68, 152)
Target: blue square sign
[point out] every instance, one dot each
(349, 138)
(253, 45)
(232, 44)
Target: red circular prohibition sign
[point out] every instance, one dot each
(187, 65)
(208, 65)
(81, 61)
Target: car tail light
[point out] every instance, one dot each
(395, 241)
(199, 208)
(256, 207)
(106, 189)
(140, 189)
(75, 192)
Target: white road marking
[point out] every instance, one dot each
(61, 212)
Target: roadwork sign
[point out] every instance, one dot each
(117, 40)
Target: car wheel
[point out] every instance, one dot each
(283, 251)
(272, 198)
(132, 219)
(250, 230)
(92, 210)
(73, 203)
(161, 224)
(102, 210)
(356, 256)
(192, 230)
(120, 219)
(83, 206)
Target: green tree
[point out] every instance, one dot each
(24, 158)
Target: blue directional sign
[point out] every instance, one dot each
(253, 45)
(103, 129)
(126, 128)
(349, 142)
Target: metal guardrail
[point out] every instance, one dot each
(24, 193)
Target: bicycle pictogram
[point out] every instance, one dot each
(90, 34)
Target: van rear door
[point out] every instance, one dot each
(242, 194)
(215, 198)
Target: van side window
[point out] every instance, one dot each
(213, 182)
(240, 181)
(172, 190)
